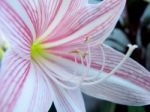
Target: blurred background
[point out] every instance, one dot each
(133, 27)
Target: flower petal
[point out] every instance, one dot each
(25, 21)
(16, 27)
(129, 85)
(45, 14)
(68, 100)
(89, 21)
(41, 13)
(3, 41)
(22, 87)
(65, 100)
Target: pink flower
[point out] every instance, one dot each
(57, 52)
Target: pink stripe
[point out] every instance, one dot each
(18, 20)
(54, 37)
(12, 100)
(41, 23)
(20, 87)
(74, 44)
(139, 79)
(11, 63)
(10, 79)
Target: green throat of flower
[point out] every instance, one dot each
(1, 53)
(37, 50)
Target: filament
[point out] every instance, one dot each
(56, 78)
(130, 51)
(103, 65)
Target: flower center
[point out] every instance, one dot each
(1, 53)
(37, 50)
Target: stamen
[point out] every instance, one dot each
(82, 56)
(75, 60)
(104, 58)
(89, 62)
(76, 51)
(84, 70)
(88, 65)
(130, 51)
(87, 39)
(103, 64)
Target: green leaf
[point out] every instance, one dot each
(136, 109)
(107, 107)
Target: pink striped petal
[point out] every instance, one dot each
(22, 87)
(41, 13)
(65, 100)
(15, 27)
(68, 100)
(130, 85)
(44, 14)
(25, 21)
(96, 21)
(3, 41)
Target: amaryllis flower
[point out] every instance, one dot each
(57, 52)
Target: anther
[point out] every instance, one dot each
(87, 39)
(82, 55)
